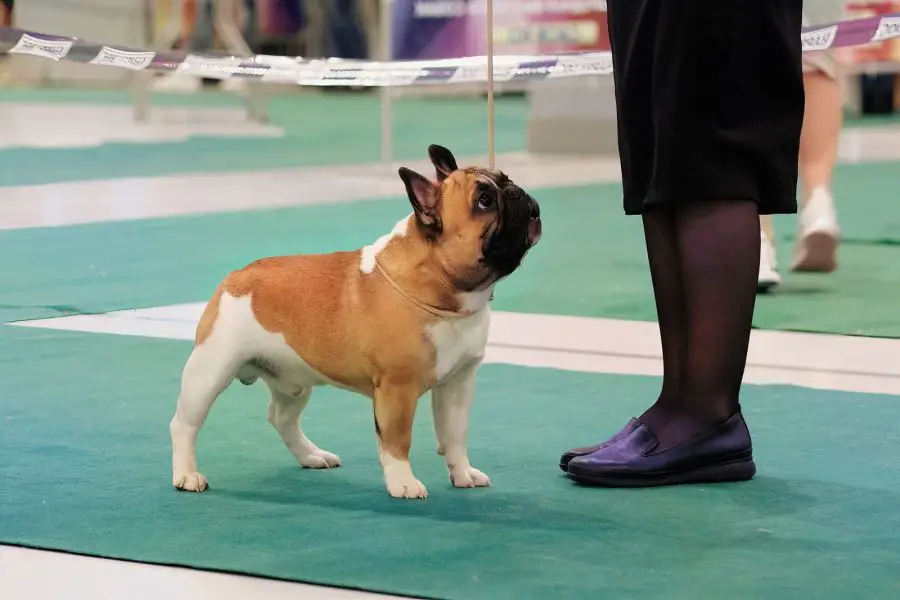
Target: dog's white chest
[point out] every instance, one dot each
(458, 341)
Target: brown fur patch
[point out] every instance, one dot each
(208, 318)
(350, 326)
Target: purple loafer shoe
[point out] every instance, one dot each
(625, 431)
(721, 453)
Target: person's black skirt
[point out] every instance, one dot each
(710, 100)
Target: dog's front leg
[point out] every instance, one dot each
(451, 402)
(395, 409)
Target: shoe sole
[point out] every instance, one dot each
(741, 469)
(818, 253)
(766, 285)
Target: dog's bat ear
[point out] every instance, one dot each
(424, 196)
(443, 160)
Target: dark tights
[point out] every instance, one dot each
(704, 262)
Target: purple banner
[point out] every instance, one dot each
(435, 29)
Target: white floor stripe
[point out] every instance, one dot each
(591, 345)
(71, 203)
(85, 125)
(24, 576)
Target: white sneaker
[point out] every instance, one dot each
(768, 266)
(819, 234)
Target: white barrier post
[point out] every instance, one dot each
(142, 84)
(387, 92)
(490, 80)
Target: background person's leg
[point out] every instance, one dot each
(204, 29)
(768, 276)
(6, 12)
(818, 230)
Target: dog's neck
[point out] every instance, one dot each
(403, 259)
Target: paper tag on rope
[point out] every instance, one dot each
(888, 28)
(111, 57)
(818, 39)
(52, 49)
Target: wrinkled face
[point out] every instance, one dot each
(480, 223)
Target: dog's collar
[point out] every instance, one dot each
(437, 311)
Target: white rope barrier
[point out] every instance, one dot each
(337, 72)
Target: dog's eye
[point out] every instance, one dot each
(485, 201)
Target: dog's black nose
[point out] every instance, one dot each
(535, 210)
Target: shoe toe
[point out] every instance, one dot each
(574, 453)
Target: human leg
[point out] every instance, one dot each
(665, 274)
(694, 432)
(717, 264)
(768, 276)
(818, 229)
(724, 148)
(823, 116)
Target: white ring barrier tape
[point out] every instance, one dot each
(352, 73)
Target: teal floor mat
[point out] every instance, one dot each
(85, 467)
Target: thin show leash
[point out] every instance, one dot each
(438, 312)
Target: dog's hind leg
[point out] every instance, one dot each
(284, 415)
(208, 372)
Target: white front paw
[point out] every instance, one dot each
(407, 488)
(190, 482)
(468, 477)
(320, 459)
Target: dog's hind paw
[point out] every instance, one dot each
(321, 459)
(469, 477)
(190, 482)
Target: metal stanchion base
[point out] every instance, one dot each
(141, 95)
(257, 103)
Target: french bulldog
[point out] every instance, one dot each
(391, 321)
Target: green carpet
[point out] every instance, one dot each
(320, 129)
(591, 261)
(85, 459)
